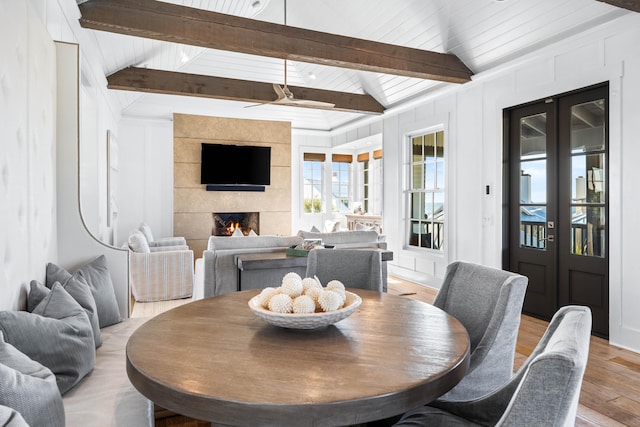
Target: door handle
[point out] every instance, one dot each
(550, 238)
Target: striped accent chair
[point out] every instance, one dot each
(160, 273)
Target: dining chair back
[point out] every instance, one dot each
(355, 268)
(488, 302)
(543, 392)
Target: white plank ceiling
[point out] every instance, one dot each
(483, 33)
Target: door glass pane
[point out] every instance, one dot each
(533, 232)
(533, 181)
(588, 231)
(533, 137)
(588, 178)
(588, 127)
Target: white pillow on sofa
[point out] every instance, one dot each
(138, 242)
(146, 231)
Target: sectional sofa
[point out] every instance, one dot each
(217, 271)
(62, 361)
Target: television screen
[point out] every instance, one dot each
(235, 165)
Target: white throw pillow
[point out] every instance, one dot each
(138, 242)
(146, 230)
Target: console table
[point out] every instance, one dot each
(366, 220)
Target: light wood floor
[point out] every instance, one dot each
(611, 387)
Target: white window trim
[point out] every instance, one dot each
(406, 190)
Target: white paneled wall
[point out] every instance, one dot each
(146, 177)
(28, 238)
(472, 116)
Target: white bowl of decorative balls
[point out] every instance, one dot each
(304, 303)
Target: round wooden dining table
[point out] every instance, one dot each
(215, 360)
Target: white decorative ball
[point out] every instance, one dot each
(310, 282)
(330, 300)
(314, 293)
(304, 304)
(281, 303)
(336, 286)
(266, 294)
(291, 285)
(292, 274)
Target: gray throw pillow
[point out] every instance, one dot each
(96, 276)
(37, 292)
(28, 388)
(78, 288)
(11, 418)
(56, 334)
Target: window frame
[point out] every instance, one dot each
(436, 192)
(317, 160)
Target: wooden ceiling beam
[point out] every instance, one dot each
(633, 5)
(180, 24)
(175, 83)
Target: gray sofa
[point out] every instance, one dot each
(218, 266)
(348, 239)
(217, 270)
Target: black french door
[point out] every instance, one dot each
(557, 151)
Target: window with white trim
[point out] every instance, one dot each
(313, 177)
(426, 190)
(340, 169)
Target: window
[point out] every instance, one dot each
(365, 181)
(313, 178)
(340, 182)
(370, 182)
(426, 192)
(376, 187)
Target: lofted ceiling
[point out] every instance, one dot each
(483, 34)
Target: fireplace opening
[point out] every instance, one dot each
(226, 223)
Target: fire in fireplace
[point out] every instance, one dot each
(226, 223)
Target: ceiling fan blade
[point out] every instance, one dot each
(285, 97)
(280, 92)
(253, 105)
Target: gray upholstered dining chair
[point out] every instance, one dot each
(543, 392)
(488, 302)
(355, 268)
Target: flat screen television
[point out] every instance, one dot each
(236, 165)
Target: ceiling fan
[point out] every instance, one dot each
(286, 97)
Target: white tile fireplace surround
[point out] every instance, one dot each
(226, 223)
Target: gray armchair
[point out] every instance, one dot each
(488, 302)
(355, 268)
(544, 391)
